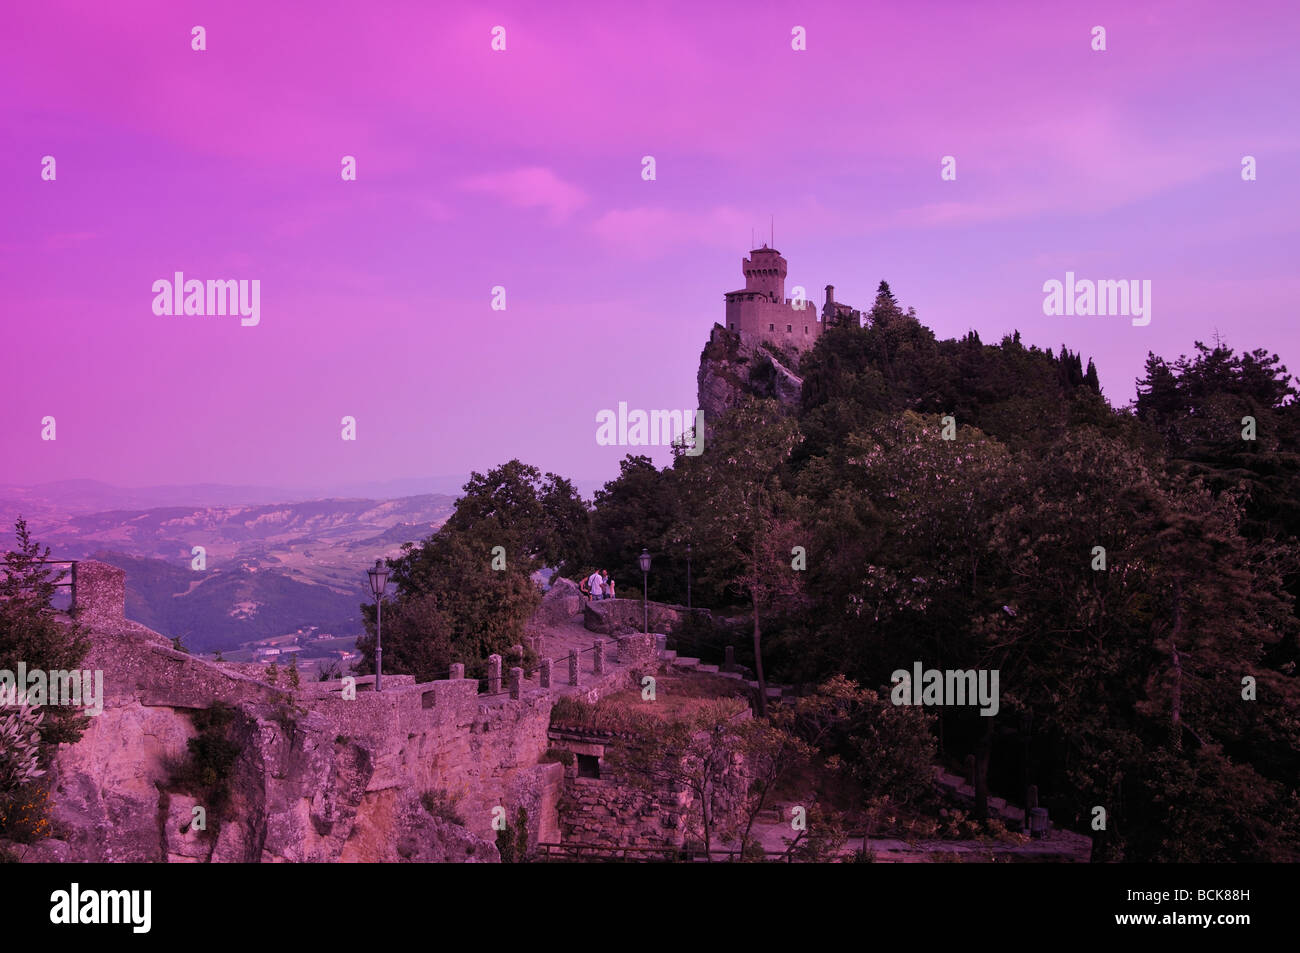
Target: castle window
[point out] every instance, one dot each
(805, 329)
(588, 766)
(771, 327)
(788, 329)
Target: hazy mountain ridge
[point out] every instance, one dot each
(268, 568)
(225, 608)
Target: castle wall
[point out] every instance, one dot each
(761, 320)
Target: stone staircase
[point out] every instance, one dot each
(682, 663)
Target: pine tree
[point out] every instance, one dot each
(31, 633)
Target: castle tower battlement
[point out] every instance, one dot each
(765, 271)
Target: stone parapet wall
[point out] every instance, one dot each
(99, 601)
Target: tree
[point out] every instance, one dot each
(568, 525)
(740, 514)
(641, 509)
(467, 591)
(417, 639)
(31, 632)
(1134, 672)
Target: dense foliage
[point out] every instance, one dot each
(1130, 572)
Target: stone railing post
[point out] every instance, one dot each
(516, 682)
(599, 663)
(544, 673)
(494, 674)
(457, 670)
(729, 659)
(573, 666)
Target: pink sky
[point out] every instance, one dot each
(522, 168)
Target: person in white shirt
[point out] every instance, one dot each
(596, 584)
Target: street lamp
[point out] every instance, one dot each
(688, 575)
(378, 583)
(644, 559)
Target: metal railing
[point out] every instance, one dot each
(67, 579)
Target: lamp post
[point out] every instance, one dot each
(688, 575)
(378, 583)
(644, 559)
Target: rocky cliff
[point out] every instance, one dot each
(730, 369)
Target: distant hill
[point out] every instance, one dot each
(270, 567)
(221, 608)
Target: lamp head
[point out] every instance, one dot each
(378, 578)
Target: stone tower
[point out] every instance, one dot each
(765, 273)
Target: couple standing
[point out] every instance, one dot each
(600, 585)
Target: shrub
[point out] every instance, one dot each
(205, 771)
(20, 741)
(512, 842)
(25, 814)
(442, 804)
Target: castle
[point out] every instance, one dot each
(760, 311)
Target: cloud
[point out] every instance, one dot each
(531, 187)
(646, 230)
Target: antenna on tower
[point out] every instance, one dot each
(752, 240)
(773, 223)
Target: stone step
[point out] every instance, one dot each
(711, 669)
(735, 675)
(686, 662)
(668, 655)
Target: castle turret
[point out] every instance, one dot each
(765, 273)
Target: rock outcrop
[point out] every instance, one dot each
(730, 369)
(560, 604)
